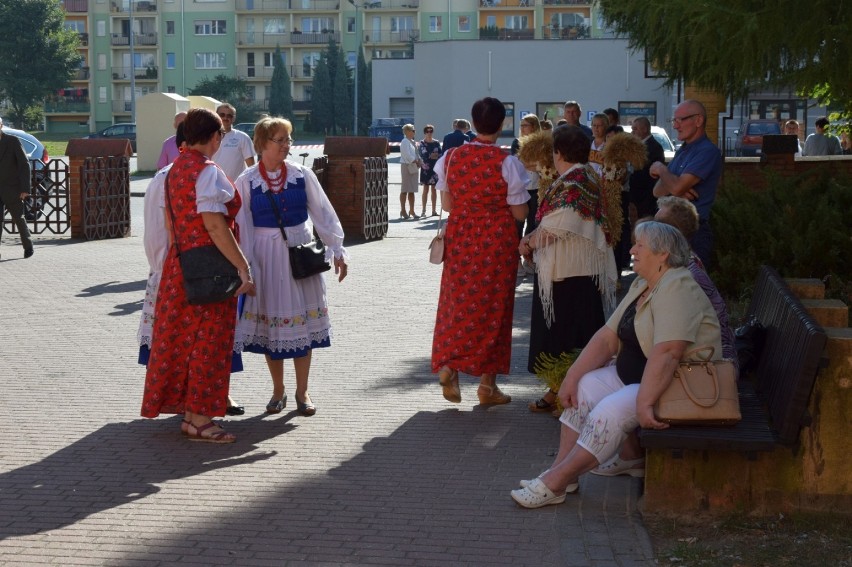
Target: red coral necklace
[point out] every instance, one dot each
(274, 185)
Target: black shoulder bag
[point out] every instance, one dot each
(306, 260)
(208, 277)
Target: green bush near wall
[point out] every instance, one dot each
(801, 226)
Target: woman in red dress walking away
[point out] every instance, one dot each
(190, 365)
(485, 191)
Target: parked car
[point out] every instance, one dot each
(390, 128)
(127, 131)
(750, 136)
(37, 154)
(247, 127)
(662, 137)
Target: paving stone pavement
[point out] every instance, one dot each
(386, 473)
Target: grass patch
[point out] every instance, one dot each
(741, 541)
(55, 144)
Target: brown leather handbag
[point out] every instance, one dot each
(702, 392)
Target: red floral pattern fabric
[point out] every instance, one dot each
(473, 328)
(191, 348)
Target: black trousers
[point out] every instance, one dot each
(16, 210)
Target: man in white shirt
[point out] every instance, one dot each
(237, 150)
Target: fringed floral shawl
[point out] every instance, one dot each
(573, 222)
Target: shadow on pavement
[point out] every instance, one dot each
(85, 477)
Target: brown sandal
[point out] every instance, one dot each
(449, 380)
(219, 437)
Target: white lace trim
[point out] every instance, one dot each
(283, 345)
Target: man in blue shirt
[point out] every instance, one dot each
(693, 173)
(571, 113)
(455, 138)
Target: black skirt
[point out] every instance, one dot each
(577, 316)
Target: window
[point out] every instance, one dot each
(309, 61)
(210, 27)
(350, 25)
(171, 89)
(435, 23)
(464, 23)
(491, 21)
(516, 22)
(101, 28)
(78, 26)
(273, 26)
(170, 27)
(211, 60)
(317, 25)
(351, 59)
(102, 62)
(269, 58)
(101, 94)
(309, 93)
(402, 23)
(170, 60)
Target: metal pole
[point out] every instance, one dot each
(132, 70)
(357, 59)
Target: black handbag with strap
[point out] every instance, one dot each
(306, 260)
(208, 277)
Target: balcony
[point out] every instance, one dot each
(121, 107)
(288, 5)
(143, 73)
(567, 2)
(571, 32)
(508, 3)
(81, 74)
(84, 39)
(76, 6)
(391, 4)
(389, 36)
(68, 106)
(139, 40)
(505, 33)
(314, 38)
(246, 72)
(123, 7)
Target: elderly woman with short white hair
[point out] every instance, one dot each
(409, 161)
(664, 315)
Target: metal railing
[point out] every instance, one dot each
(68, 106)
(46, 207)
(121, 7)
(148, 39)
(288, 5)
(149, 72)
(507, 3)
(76, 5)
(391, 36)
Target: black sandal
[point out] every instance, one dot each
(276, 406)
(541, 405)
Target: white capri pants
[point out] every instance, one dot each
(606, 412)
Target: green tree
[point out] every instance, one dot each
(741, 45)
(280, 99)
(322, 111)
(342, 100)
(222, 88)
(365, 94)
(39, 56)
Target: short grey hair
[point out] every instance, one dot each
(661, 238)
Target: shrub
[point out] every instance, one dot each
(799, 225)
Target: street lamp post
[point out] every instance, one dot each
(357, 53)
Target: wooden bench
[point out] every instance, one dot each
(774, 405)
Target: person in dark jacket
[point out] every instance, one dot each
(14, 186)
(455, 138)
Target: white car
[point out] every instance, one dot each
(662, 136)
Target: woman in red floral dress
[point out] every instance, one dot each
(485, 191)
(190, 365)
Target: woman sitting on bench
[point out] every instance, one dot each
(664, 315)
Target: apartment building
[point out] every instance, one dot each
(135, 47)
